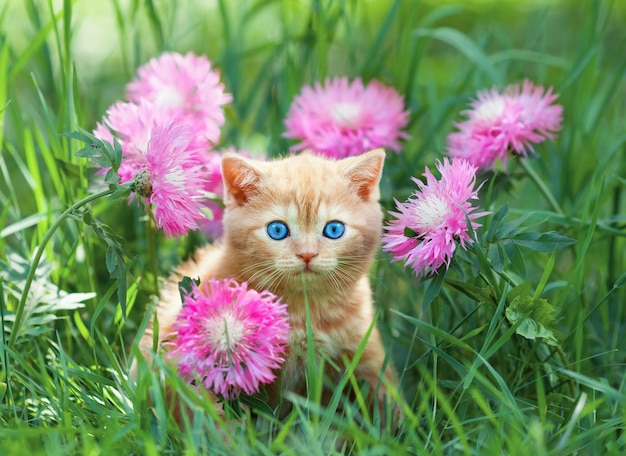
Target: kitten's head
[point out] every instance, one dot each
(302, 218)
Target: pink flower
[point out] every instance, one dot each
(342, 119)
(183, 86)
(172, 180)
(133, 125)
(509, 122)
(437, 214)
(230, 337)
(166, 131)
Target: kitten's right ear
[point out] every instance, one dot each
(241, 179)
(364, 172)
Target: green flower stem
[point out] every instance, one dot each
(19, 312)
(565, 362)
(152, 251)
(543, 188)
(506, 276)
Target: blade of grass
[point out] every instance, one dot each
(466, 46)
(373, 61)
(41, 199)
(545, 275)
(313, 370)
(34, 45)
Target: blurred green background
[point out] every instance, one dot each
(269, 48)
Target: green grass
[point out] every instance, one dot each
(470, 381)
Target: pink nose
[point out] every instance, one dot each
(307, 257)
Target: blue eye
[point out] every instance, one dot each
(277, 230)
(334, 230)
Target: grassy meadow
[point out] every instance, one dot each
(519, 348)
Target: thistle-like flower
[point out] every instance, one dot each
(183, 86)
(502, 123)
(433, 221)
(343, 118)
(229, 337)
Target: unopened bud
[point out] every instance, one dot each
(143, 184)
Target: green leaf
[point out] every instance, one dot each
(117, 154)
(83, 137)
(95, 150)
(185, 286)
(122, 192)
(543, 242)
(111, 177)
(257, 404)
(102, 153)
(496, 255)
(523, 289)
(433, 288)
(495, 222)
(122, 288)
(410, 233)
(87, 217)
(111, 260)
(515, 256)
(512, 228)
(45, 299)
(534, 317)
(472, 291)
(232, 408)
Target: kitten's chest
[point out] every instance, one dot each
(294, 369)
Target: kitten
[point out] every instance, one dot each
(302, 222)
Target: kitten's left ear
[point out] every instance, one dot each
(364, 172)
(241, 179)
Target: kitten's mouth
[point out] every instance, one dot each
(308, 270)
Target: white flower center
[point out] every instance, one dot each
(346, 114)
(431, 212)
(169, 97)
(490, 109)
(224, 332)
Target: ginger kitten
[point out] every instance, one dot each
(302, 222)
